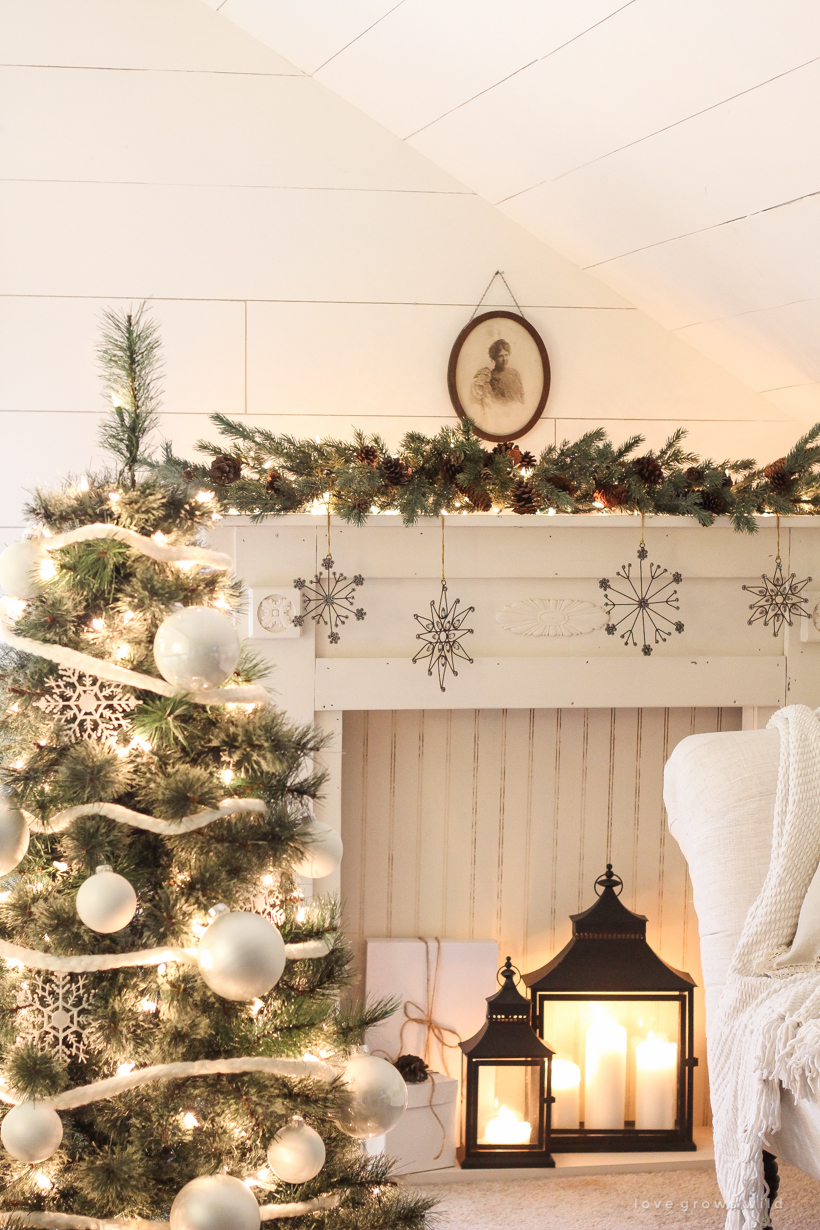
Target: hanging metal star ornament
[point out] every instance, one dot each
(330, 599)
(644, 602)
(778, 599)
(443, 632)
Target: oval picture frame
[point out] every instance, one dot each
(499, 375)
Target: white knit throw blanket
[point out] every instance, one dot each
(767, 1028)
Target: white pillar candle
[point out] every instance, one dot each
(605, 1075)
(566, 1090)
(507, 1129)
(656, 1084)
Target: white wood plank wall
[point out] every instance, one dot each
(469, 824)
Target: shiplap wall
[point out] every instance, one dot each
(308, 269)
(468, 824)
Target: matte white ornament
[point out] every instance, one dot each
(106, 901)
(196, 648)
(20, 568)
(379, 1096)
(31, 1132)
(215, 1202)
(241, 955)
(552, 617)
(297, 1152)
(324, 850)
(14, 837)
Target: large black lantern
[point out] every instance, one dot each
(621, 1025)
(508, 1085)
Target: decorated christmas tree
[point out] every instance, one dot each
(174, 1039)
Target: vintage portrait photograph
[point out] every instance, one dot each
(499, 375)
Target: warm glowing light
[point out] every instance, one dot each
(161, 969)
(301, 914)
(597, 504)
(223, 604)
(268, 880)
(127, 617)
(60, 865)
(14, 606)
(204, 497)
(83, 484)
(15, 708)
(233, 512)
(4, 896)
(43, 1181)
(98, 624)
(507, 1129)
(17, 764)
(656, 1083)
(148, 1005)
(123, 651)
(13, 963)
(550, 512)
(308, 1058)
(227, 776)
(160, 538)
(114, 496)
(48, 570)
(190, 1120)
(256, 1007)
(125, 1069)
(604, 1072)
(566, 1092)
(199, 928)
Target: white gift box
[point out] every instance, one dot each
(447, 980)
(426, 1136)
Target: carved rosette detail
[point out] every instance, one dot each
(552, 617)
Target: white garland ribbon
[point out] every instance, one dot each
(124, 815)
(245, 694)
(303, 950)
(70, 1221)
(163, 552)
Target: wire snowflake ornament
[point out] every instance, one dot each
(88, 707)
(778, 599)
(330, 599)
(442, 636)
(644, 602)
(54, 1013)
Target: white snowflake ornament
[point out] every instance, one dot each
(54, 1012)
(88, 707)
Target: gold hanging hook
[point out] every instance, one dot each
(643, 544)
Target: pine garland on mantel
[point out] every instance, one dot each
(255, 471)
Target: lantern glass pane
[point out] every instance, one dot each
(508, 1104)
(616, 1062)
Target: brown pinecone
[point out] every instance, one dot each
(527, 461)
(523, 499)
(612, 495)
(273, 482)
(561, 483)
(413, 1069)
(649, 470)
(480, 499)
(395, 471)
(451, 467)
(694, 478)
(225, 470)
(778, 475)
(369, 454)
(188, 475)
(727, 481)
(509, 447)
(713, 502)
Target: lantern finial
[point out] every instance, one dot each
(609, 880)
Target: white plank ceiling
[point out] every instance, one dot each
(670, 146)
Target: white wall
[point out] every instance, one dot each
(308, 268)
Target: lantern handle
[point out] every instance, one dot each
(508, 971)
(609, 880)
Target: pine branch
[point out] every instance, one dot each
(129, 356)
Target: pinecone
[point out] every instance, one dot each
(527, 461)
(510, 448)
(413, 1069)
(273, 482)
(694, 478)
(727, 481)
(778, 475)
(368, 454)
(649, 470)
(225, 470)
(188, 475)
(480, 499)
(523, 499)
(713, 502)
(395, 471)
(451, 467)
(561, 483)
(612, 495)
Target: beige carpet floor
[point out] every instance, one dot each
(613, 1202)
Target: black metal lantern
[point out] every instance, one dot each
(508, 1085)
(621, 1022)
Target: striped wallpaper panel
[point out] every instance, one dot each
(495, 823)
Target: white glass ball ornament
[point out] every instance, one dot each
(215, 1202)
(297, 1152)
(20, 566)
(241, 955)
(31, 1132)
(106, 901)
(379, 1096)
(196, 648)
(14, 837)
(323, 850)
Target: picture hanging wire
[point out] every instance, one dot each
(499, 273)
(442, 548)
(777, 520)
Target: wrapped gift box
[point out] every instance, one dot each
(448, 981)
(425, 1137)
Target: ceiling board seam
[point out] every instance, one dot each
(715, 226)
(779, 388)
(123, 68)
(547, 307)
(162, 183)
(358, 36)
(659, 131)
(522, 69)
(749, 312)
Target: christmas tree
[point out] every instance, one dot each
(173, 1035)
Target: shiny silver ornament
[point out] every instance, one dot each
(31, 1132)
(14, 837)
(297, 1152)
(106, 901)
(241, 955)
(196, 648)
(215, 1202)
(378, 1096)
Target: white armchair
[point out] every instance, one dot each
(719, 791)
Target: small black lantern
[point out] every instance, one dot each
(508, 1085)
(621, 1022)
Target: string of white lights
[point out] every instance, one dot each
(124, 815)
(155, 548)
(245, 694)
(303, 950)
(71, 1221)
